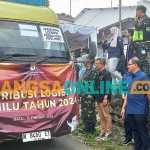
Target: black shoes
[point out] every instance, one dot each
(89, 128)
(86, 128)
(92, 128)
(133, 147)
(126, 141)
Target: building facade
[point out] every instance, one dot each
(105, 18)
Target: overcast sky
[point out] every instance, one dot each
(60, 6)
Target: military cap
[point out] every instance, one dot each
(141, 7)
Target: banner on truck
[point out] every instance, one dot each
(33, 95)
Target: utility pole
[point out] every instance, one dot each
(70, 7)
(111, 3)
(120, 24)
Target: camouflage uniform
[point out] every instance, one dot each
(142, 47)
(87, 100)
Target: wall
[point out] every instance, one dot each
(105, 17)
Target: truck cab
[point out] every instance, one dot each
(32, 32)
(34, 59)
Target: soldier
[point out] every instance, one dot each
(88, 113)
(141, 38)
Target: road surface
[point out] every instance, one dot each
(61, 143)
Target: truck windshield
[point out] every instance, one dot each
(33, 39)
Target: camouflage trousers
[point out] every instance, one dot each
(88, 113)
(142, 51)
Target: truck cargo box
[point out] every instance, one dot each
(30, 2)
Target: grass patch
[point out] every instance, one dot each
(89, 140)
(111, 145)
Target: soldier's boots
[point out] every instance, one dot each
(92, 128)
(86, 128)
(89, 128)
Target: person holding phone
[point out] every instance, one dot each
(141, 38)
(115, 51)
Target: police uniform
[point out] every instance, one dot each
(141, 40)
(88, 113)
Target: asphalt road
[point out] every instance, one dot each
(61, 143)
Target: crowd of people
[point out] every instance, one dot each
(134, 66)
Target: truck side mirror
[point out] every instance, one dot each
(92, 49)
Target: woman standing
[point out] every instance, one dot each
(115, 51)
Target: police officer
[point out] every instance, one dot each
(88, 113)
(141, 38)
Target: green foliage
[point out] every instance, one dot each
(90, 140)
(111, 145)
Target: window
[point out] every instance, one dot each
(32, 38)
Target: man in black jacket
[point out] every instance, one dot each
(103, 100)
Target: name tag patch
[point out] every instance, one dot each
(143, 52)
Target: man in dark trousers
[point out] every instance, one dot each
(129, 55)
(136, 106)
(130, 47)
(127, 126)
(103, 100)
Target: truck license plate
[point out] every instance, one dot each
(36, 136)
